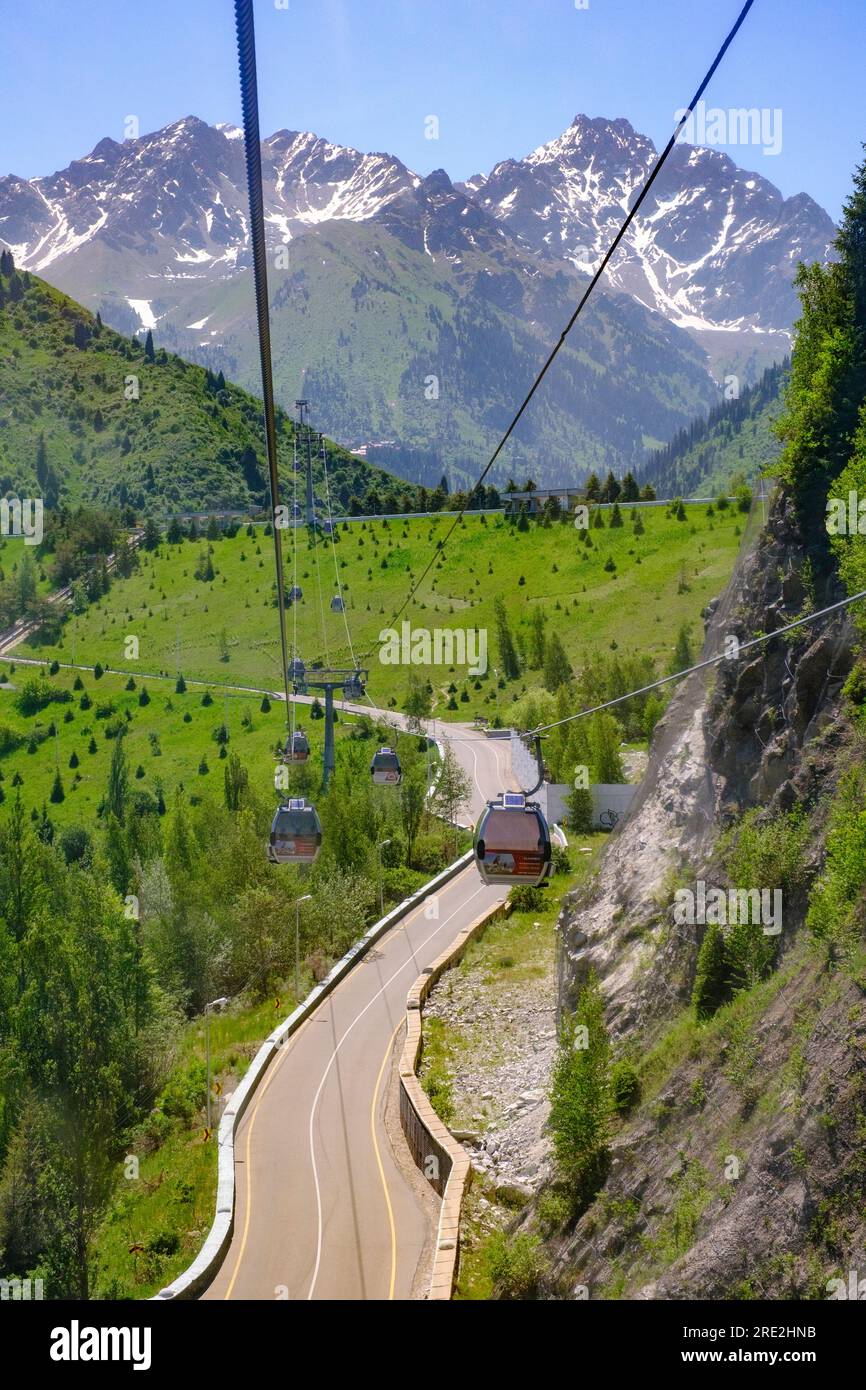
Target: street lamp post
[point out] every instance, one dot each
(305, 899)
(379, 849)
(208, 1008)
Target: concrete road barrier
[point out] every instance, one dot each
(443, 1161)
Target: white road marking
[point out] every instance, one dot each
(406, 964)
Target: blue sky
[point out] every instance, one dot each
(502, 76)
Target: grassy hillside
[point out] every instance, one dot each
(189, 441)
(168, 742)
(658, 581)
(735, 440)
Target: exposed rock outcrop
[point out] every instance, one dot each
(741, 1172)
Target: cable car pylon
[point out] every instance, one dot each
(303, 409)
(351, 681)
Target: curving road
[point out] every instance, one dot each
(323, 1208)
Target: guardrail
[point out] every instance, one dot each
(203, 1268)
(437, 1153)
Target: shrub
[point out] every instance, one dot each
(163, 1243)
(75, 844)
(761, 855)
(624, 1085)
(184, 1094)
(553, 1210)
(835, 913)
(10, 739)
(36, 693)
(525, 898)
(561, 860)
(580, 1098)
(710, 988)
(439, 1088)
(516, 1264)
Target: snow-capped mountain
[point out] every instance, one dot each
(174, 204)
(714, 248)
(382, 281)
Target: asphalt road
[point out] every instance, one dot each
(323, 1209)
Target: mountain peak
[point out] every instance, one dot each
(106, 148)
(582, 123)
(438, 180)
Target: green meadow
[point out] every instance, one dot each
(631, 590)
(169, 742)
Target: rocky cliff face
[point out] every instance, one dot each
(741, 1172)
(784, 696)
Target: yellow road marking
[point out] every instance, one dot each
(388, 1052)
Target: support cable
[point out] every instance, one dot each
(630, 216)
(701, 665)
(252, 148)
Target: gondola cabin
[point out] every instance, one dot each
(385, 768)
(297, 748)
(296, 834)
(353, 688)
(295, 593)
(512, 842)
(298, 675)
(337, 604)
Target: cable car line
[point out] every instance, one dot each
(512, 839)
(700, 665)
(296, 831)
(253, 154)
(342, 607)
(630, 216)
(294, 562)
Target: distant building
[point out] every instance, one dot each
(534, 500)
(611, 802)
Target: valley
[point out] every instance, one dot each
(432, 674)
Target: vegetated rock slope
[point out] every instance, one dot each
(775, 1082)
(381, 279)
(736, 440)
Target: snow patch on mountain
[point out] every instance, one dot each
(144, 311)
